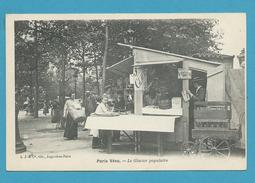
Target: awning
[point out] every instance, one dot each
(123, 67)
(145, 56)
(157, 62)
(151, 55)
(132, 123)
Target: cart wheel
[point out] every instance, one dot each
(214, 146)
(189, 148)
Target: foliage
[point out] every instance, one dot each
(179, 36)
(65, 46)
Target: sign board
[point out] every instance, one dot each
(184, 73)
(131, 78)
(139, 79)
(176, 103)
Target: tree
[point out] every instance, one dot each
(37, 55)
(82, 45)
(179, 36)
(87, 37)
(29, 48)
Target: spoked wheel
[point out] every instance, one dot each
(215, 147)
(189, 148)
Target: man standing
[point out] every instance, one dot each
(199, 94)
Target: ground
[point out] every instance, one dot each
(41, 137)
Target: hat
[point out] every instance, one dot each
(105, 95)
(196, 79)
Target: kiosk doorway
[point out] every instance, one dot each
(203, 82)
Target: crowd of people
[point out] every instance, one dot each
(104, 105)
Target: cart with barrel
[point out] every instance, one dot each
(212, 134)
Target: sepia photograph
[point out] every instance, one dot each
(114, 92)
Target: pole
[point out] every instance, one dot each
(104, 58)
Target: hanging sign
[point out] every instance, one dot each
(138, 79)
(184, 73)
(132, 79)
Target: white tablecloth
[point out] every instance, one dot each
(132, 123)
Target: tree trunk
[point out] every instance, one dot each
(31, 82)
(36, 99)
(95, 64)
(62, 87)
(104, 59)
(83, 76)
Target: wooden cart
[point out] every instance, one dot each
(212, 134)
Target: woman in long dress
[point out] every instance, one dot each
(71, 127)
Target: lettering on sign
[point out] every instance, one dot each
(184, 73)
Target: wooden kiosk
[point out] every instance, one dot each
(174, 120)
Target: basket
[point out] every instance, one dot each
(78, 115)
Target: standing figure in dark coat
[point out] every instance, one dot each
(55, 112)
(71, 128)
(90, 106)
(199, 94)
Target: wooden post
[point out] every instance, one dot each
(140, 80)
(139, 85)
(136, 141)
(109, 141)
(159, 143)
(139, 141)
(185, 117)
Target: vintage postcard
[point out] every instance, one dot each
(113, 92)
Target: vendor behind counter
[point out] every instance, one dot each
(160, 99)
(151, 98)
(163, 85)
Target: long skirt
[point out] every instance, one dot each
(71, 129)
